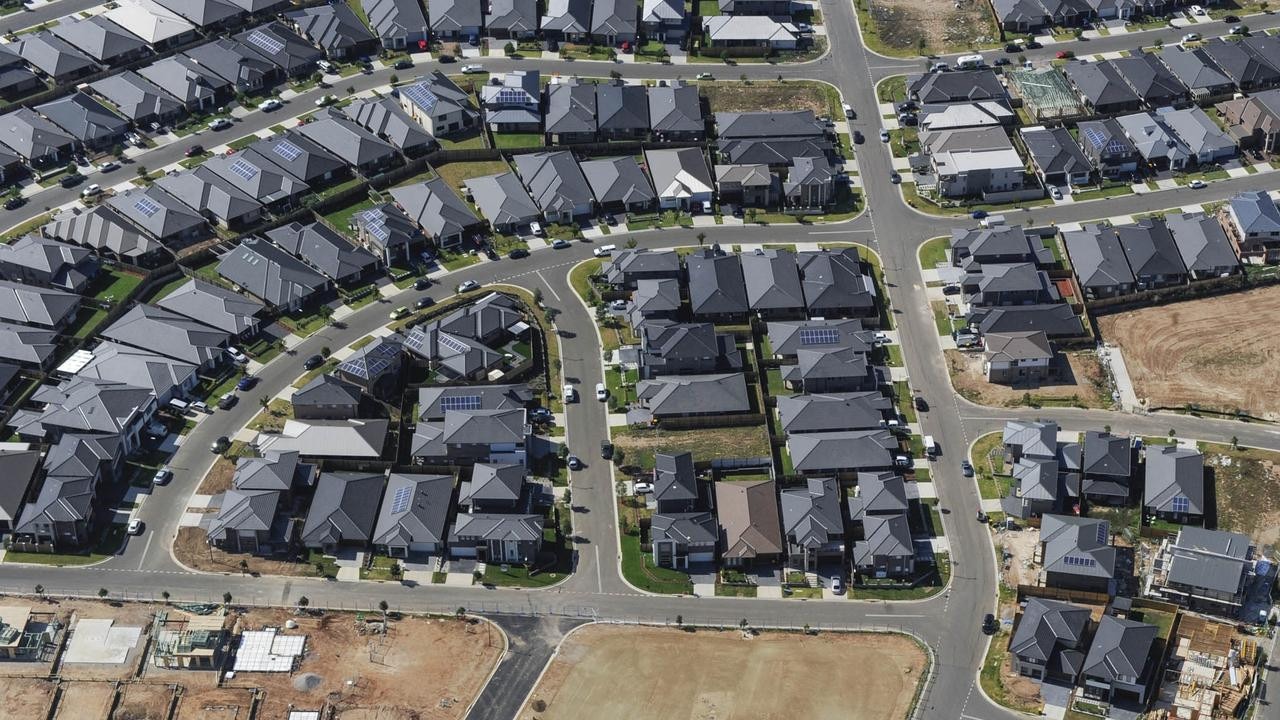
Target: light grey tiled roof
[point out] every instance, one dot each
(139, 367)
(147, 326)
(31, 305)
(135, 96)
(772, 280)
(344, 508)
(502, 199)
(436, 207)
(385, 118)
(324, 249)
(102, 229)
(1174, 472)
(183, 78)
(23, 344)
(170, 218)
(415, 510)
(214, 306)
(694, 394)
(618, 180)
(675, 107)
(207, 192)
(99, 38)
(334, 27)
(270, 273)
(84, 118)
(555, 183)
(52, 55)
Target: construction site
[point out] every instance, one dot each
(1211, 671)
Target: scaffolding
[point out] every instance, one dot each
(188, 642)
(1045, 93)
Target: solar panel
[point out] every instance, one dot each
(287, 150)
(244, 169)
(146, 206)
(1095, 138)
(453, 344)
(512, 96)
(1078, 561)
(1181, 504)
(819, 336)
(421, 96)
(266, 42)
(460, 402)
(375, 223)
(1103, 532)
(400, 502)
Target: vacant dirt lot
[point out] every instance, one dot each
(1247, 483)
(214, 703)
(1216, 353)
(144, 701)
(704, 443)
(932, 25)
(740, 97)
(85, 700)
(1084, 384)
(615, 672)
(421, 669)
(192, 550)
(26, 697)
(219, 477)
(1021, 546)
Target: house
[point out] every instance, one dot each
(693, 395)
(376, 368)
(469, 436)
(439, 105)
(217, 199)
(1008, 284)
(36, 140)
(87, 406)
(435, 400)
(1076, 553)
(772, 281)
(388, 233)
(148, 326)
(663, 20)
(630, 265)
(619, 184)
(953, 116)
(668, 348)
(962, 86)
(750, 531)
(243, 521)
(1157, 143)
(1242, 64)
(454, 19)
(399, 24)
(436, 208)
(283, 47)
(496, 538)
(414, 516)
(1018, 357)
(275, 188)
(829, 452)
(1253, 122)
(514, 103)
(622, 110)
(810, 183)
(385, 118)
(1056, 156)
(464, 344)
(771, 138)
(357, 147)
(160, 215)
(1048, 640)
(557, 185)
(101, 39)
(835, 284)
(1174, 486)
(1152, 253)
(675, 111)
(1101, 87)
(878, 494)
(86, 119)
(1203, 245)
(335, 29)
(11, 168)
(299, 156)
(63, 511)
(717, 290)
(732, 32)
(1150, 80)
(1206, 142)
(680, 540)
(343, 511)
(1099, 261)
(1205, 570)
(156, 25)
(1118, 665)
(1057, 320)
(138, 99)
(167, 377)
(1030, 439)
(208, 14)
(239, 65)
(107, 233)
(215, 306)
(327, 397)
(327, 438)
(33, 260)
(567, 20)
(504, 202)
(752, 186)
(19, 464)
(654, 300)
(1252, 221)
(788, 338)
(31, 305)
(1197, 71)
(813, 523)
(614, 22)
(277, 278)
(16, 77)
(998, 245)
(326, 250)
(1106, 462)
(834, 412)
(512, 19)
(493, 488)
(680, 177)
(28, 346)
(53, 57)
(571, 112)
(1040, 489)
(886, 550)
(676, 488)
(1107, 148)
(974, 162)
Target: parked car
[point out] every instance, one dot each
(236, 355)
(220, 445)
(606, 450)
(424, 302)
(570, 393)
(422, 283)
(1197, 184)
(72, 180)
(108, 166)
(135, 527)
(804, 27)
(219, 124)
(15, 202)
(91, 191)
(468, 286)
(1000, 62)
(325, 65)
(857, 137)
(978, 214)
(313, 362)
(884, 136)
(1239, 30)
(399, 313)
(469, 69)
(246, 383)
(848, 111)
(602, 392)
(1230, 18)
(325, 100)
(921, 404)
(194, 150)
(895, 178)
(518, 253)
(575, 463)
(705, 76)
(270, 104)
(1055, 193)
(1064, 55)
(560, 244)
(642, 488)
(989, 625)
(1197, 10)
(162, 476)
(228, 401)
(403, 64)
(837, 585)
(1190, 37)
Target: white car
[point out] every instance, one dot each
(91, 191)
(108, 166)
(570, 394)
(1197, 10)
(1190, 37)
(471, 69)
(848, 110)
(643, 488)
(325, 100)
(163, 476)
(326, 66)
(468, 286)
(706, 76)
(837, 585)
(535, 228)
(1197, 184)
(602, 392)
(135, 527)
(270, 104)
(219, 124)
(880, 338)
(1056, 194)
(236, 355)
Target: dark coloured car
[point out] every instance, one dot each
(246, 383)
(72, 180)
(966, 468)
(403, 64)
(421, 284)
(518, 253)
(606, 450)
(228, 401)
(921, 404)
(1231, 19)
(574, 463)
(978, 214)
(424, 302)
(1012, 48)
(1001, 61)
(195, 150)
(989, 625)
(490, 253)
(857, 137)
(541, 415)
(14, 203)
(313, 362)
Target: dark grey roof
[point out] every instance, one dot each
(67, 493)
(392, 19)
(1255, 212)
(441, 95)
(832, 411)
(334, 27)
(350, 142)
(371, 362)
(485, 427)
(790, 336)
(416, 510)
(555, 183)
(385, 118)
(675, 108)
(694, 394)
(772, 280)
(63, 266)
(282, 46)
(324, 249)
(99, 38)
(618, 180)
(52, 55)
(879, 493)
(811, 514)
(653, 297)
(327, 390)
(147, 326)
(275, 470)
(1056, 320)
(436, 207)
(962, 86)
(214, 306)
(344, 508)
(1107, 454)
(1054, 151)
(681, 343)
(32, 136)
(620, 106)
(1236, 59)
(103, 229)
(778, 125)
(84, 405)
(614, 17)
(270, 273)
(431, 398)
(1202, 243)
(454, 16)
(571, 107)
(1001, 243)
(208, 192)
(1077, 546)
(1212, 559)
(1034, 438)
(1150, 79)
(847, 450)
(716, 285)
(298, 155)
(1194, 69)
(884, 536)
(31, 305)
(138, 367)
(1100, 84)
(494, 483)
(1119, 649)
(489, 526)
(157, 212)
(234, 62)
(24, 344)
(84, 118)
(1047, 627)
(204, 12)
(17, 467)
(674, 478)
(502, 199)
(686, 528)
(513, 16)
(244, 511)
(135, 96)
(567, 16)
(1097, 256)
(251, 172)
(1106, 139)
(834, 280)
(1174, 480)
(1150, 248)
(642, 260)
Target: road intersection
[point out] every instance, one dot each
(948, 622)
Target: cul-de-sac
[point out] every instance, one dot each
(669, 359)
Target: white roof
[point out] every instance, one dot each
(148, 20)
(747, 27)
(265, 651)
(959, 161)
(76, 362)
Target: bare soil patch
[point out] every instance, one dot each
(214, 703)
(1020, 547)
(1217, 353)
(218, 479)
(608, 671)
(85, 700)
(144, 701)
(705, 443)
(1247, 483)
(423, 668)
(740, 97)
(933, 25)
(192, 550)
(1083, 383)
(26, 697)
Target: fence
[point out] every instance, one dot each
(1076, 596)
(1193, 291)
(710, 421)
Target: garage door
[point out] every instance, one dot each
(465, 551)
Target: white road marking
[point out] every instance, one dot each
(145, 548)
(838, 232)
(895, 615)
(554, 294)
(599, 581)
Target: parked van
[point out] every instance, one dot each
(930, 447)
(179, 406)
(970, 62)
(604, 250)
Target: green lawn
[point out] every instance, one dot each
(991, 485)
(902, 391)
(379, 569)
(457, 261)
(110, 543)
(941, 318)
(243, 142)
(992, 671)
(224, 386)
(305, 325)
(639, 570)
(893, 356)
(310, 375)
(87, 321)
(474, 141)
(342, 218)
(735, 590)
(456, 173)
(168, 288)
(27, 227)
(927, 588)
(262, 350)
(892, 89)
(517, 140)
(934, 252)
(115, 285)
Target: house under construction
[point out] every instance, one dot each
(26, 634)
(1212, 670)
(192, 642)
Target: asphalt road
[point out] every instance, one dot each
(948, 623)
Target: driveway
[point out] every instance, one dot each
(1056, 699)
